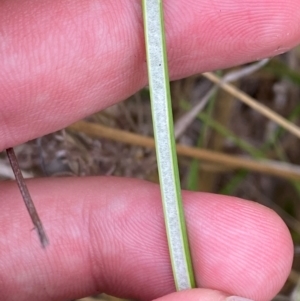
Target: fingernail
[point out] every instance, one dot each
(237, 298)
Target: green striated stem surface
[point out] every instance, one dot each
(165, 144)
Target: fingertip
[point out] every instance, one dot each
(239, 247)
(200, 294)
(194, 295)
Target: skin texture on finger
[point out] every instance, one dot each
(62, 60)
(196, 295)
(108, 235)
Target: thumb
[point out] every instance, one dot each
(200, 294)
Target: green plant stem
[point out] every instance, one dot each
(165, 144)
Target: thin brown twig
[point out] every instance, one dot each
(27, 198)
(275, 168)
(289, 126)
(184, 121)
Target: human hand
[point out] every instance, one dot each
(63, 60)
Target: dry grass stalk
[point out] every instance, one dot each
(183, 122)
(275, 168)
(292, 128)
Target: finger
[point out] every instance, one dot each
(200, 294)
(62, 60)
(108, 235)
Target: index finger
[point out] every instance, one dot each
(61, 61)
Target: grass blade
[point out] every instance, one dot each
(165, 144)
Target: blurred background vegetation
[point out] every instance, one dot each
(250, 155)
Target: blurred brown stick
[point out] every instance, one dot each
(254, 104)
(274, 168)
